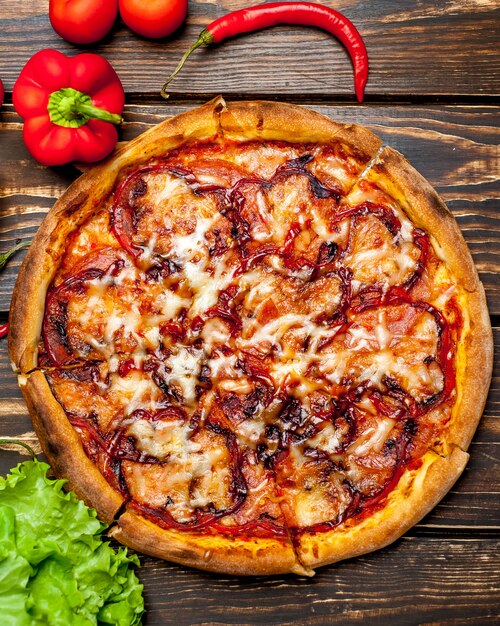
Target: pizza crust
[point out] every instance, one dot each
(417, 492)
(238, 557)
(474, 370)
(263, 120)
(63, 449)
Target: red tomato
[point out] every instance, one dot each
(82, 21)
(154, 18)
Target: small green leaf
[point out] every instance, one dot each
(5, 256)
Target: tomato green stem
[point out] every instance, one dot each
(72, 108)
(205, 39)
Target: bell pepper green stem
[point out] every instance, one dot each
(72, 108)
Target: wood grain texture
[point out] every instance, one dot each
(424, 48)
(454, 147)
(433, 86)
(419, 586)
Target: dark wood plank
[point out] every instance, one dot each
(455, 147)
(425, 49)
(414, 581)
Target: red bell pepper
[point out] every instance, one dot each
(69, 106)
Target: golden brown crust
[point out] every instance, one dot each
(61, 445)
(474, 367)
(417, 492)
(239, 557)
(287, 122)
(474, 361)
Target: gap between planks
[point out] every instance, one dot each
(311, 98)
(175, 99)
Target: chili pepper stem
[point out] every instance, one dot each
(205, 39)
(16, 442)
(72, 108)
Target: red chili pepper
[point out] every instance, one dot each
(273, 13)
(69, 106)
(4, 329)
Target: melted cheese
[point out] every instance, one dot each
(382, 333)
(171, 186)
(444, 297)
(130, 321)
(381, 262)
(372, 439)
(315, 500)
(187, 246)
(170, 304)
(291, 345)
(162, 439)
(251, 430)
(195, 474)
(215, 333)
(207, 287)
(135, 392)
(333, 367)
(261, 230)
(222, 367)
(322, 229)
(327, 439)
(238, 386)
(182, 368)
(270, 334)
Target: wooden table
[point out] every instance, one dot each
(433, 95)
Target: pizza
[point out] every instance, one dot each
(254, 340)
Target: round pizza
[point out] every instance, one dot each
(254, 340)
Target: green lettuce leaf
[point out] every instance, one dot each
(56, 568)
